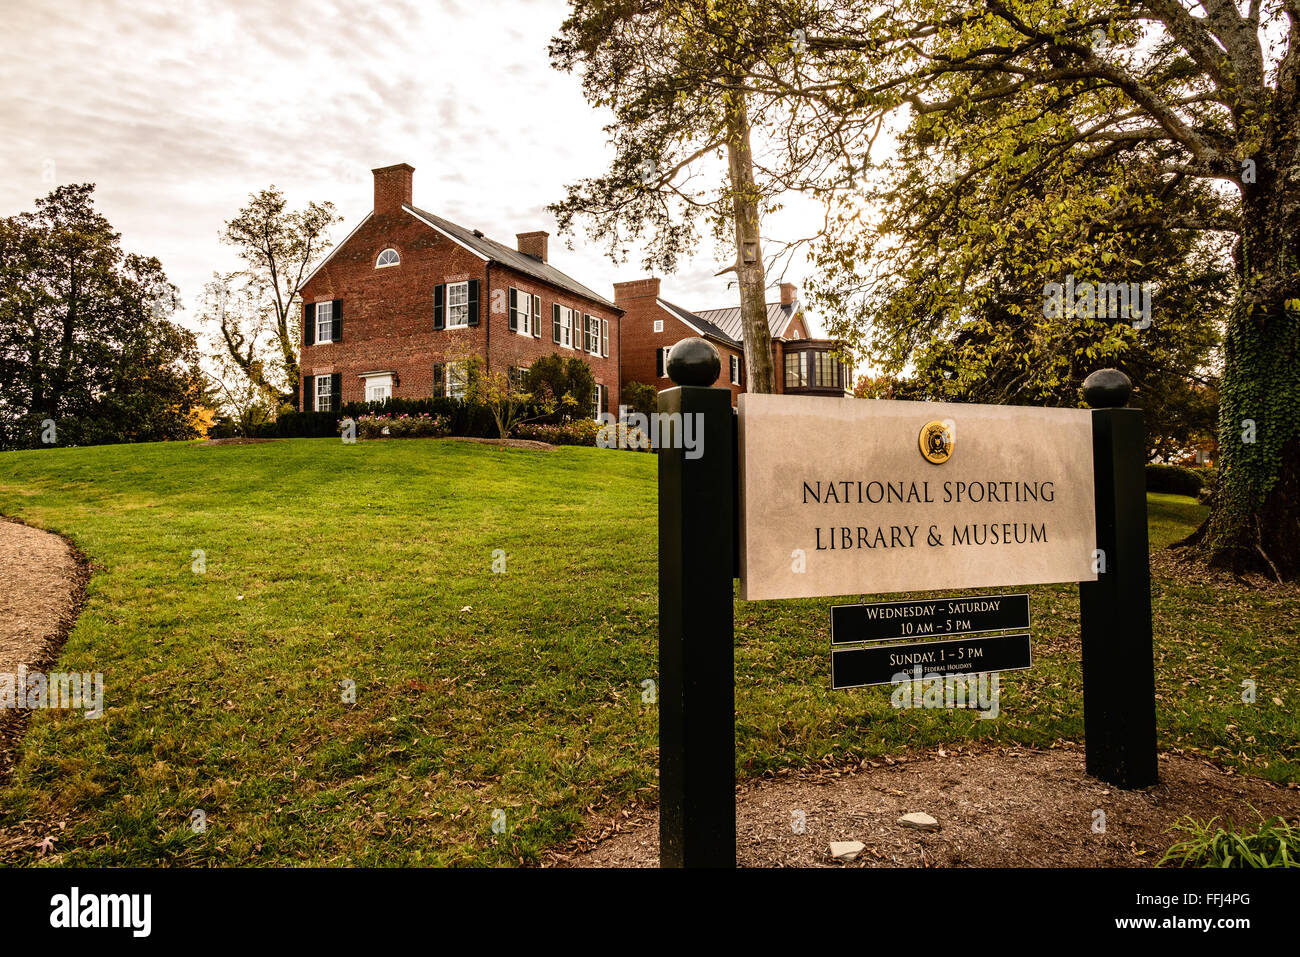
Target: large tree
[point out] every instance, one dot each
(1194, 107)
(88, 354)
(279, 247)
(708, 129)
(972, 322)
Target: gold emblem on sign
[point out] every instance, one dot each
(937, 441)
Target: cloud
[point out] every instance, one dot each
(179, 111)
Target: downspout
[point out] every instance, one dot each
(486, 305)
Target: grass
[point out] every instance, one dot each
(476, 691)
(1273, 844)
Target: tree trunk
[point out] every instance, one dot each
(749, 256)
(288, 346)
(1254, 522)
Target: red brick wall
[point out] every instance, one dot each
(388, 312)
(640, 341)
(512, 349)
(796, 328)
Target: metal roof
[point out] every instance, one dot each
(728, 320)
(706, 328)
(497, 252)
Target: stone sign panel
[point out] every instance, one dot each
(853, 496)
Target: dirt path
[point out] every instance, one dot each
(42, 587)
(1005, 807)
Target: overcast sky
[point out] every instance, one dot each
(178, 110)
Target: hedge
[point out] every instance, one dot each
(467, 419)
(301, 425)
(1177, 479)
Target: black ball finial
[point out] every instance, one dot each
(694, 362)
(1107, 389)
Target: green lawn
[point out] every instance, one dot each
(475, 691)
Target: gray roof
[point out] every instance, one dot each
(728, 320)
(497, 252)
(707, 328)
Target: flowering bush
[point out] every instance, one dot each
(576, 432)
(620, 435)
(420, 426)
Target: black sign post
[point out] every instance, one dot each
(1119, 693)
(698, 489)
(697, 716)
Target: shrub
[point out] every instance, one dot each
(1175, 479)
(300, 425)
(463, 418)
(420, 426)
(563, 387)
(576, 432)
(640, 397)
(620, 435)
(223, 429)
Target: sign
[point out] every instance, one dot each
(852, 497)
(885, 664)
(892, 620)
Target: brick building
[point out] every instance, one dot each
(401, 304)
(652, 325)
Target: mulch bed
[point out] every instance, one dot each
(996, 807)
(509, 443)
(42, 589)
(236, 441)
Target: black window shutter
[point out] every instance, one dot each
(308, 393)
(336, 392)
(659, 362)
(473, 302)
(439, 298)
(337, 314)
(439, 386)
(514, 309)
(309, 323)
(555, 321)
(537, 317)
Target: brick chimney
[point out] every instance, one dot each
(392, 188)
(636, 289)
(533, 244)
(788, 292)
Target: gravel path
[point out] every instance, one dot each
(42, 586)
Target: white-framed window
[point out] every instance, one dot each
(659, 325)
(457, 305)
(522, 309)
(324, 392)
(661, 362)
(735, 370)
(324, 322)
(388, 257)
(567, 330)
(379, 388)
(591, 334)
(517, 375)
(457, 379)
(598, 401)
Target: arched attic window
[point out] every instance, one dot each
(388, 257)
